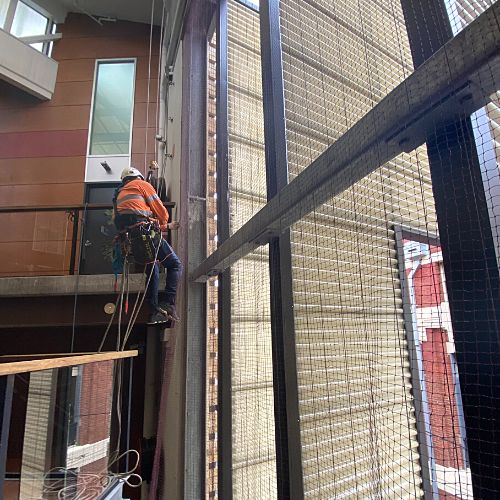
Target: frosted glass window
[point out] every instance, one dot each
(4, 7)
(29, 22)
(113, 105)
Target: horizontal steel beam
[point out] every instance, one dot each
(64, 208)
(456, 81)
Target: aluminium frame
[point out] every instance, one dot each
(285, 383)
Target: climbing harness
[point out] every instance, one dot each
(145, 238)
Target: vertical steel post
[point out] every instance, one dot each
(469, 259)
(6, 391)
(286, 402)
(224, 407)
(194, 239)
(74, 240)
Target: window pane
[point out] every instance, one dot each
(4, 6)
(113, 101)
(29, 22)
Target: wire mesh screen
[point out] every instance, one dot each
(254, 462)
(463, 12)
(247, 170)
(394, 276)
(362, 393)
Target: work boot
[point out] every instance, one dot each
(169, 311)
(157, 318)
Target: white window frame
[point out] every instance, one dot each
(11, 11)
(94, 172)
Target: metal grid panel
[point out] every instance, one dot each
(247, 172)
(358, 427)
(363, 339)
(254, 455)
(253, 429)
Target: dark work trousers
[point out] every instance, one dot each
(169, 260)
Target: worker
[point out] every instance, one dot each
(137, 207)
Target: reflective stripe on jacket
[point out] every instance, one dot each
(138, 197)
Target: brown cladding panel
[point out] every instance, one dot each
(42, 195)
(20, 259)
(72, 93)
(84, 48)
(145, 67)
(138, 160)
(66, 94)
(48, 170)
(139, 140)
(76, 70)
(39, 118)
(141, 116)
(43, 144)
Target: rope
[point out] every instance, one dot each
(136, 310)
(88, 486)
(149, 81)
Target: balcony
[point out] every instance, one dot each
(25, 67)
(51, 253)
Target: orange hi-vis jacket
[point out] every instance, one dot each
(138, 197)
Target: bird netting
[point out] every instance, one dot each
(358, 424)
(394, 251)
(253, 457)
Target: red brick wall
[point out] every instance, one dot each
(43, 144)
(95, 402)
(427, 283)
(442, 402)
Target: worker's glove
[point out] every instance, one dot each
(173, 225)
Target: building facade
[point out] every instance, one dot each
(334, 171)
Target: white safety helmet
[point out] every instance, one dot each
(131, 172)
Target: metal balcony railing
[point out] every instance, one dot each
(57, 240)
